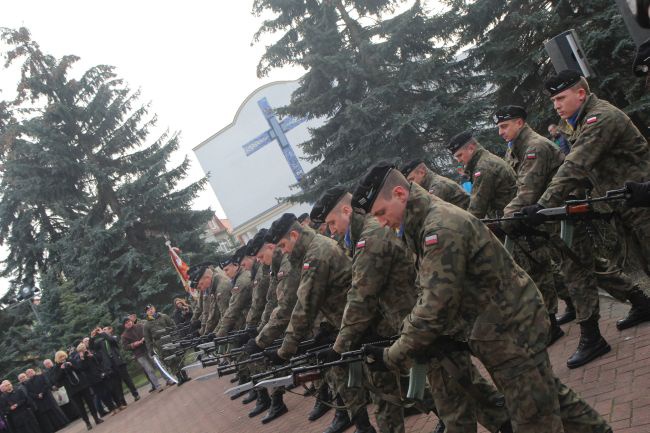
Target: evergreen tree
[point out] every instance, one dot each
(85, 203)
(385, 86)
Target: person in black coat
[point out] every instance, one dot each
(50, 417)
(97, 376)
(16, 405)
(69, 374)
(182, 312)
(107, 346)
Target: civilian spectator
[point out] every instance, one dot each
(182, 312)
(133, 340)
(558, 138)
(18, 408)
(50, 417)
(97, 377)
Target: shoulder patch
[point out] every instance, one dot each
(280, 275)
(430, 240)
(307, 266)
(592, 119)
(531, 155)
(477, 174)
(361, 244)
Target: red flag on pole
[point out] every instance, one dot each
(180, 266)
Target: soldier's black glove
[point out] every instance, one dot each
(326, 334)
(637, 194)
(375, 357)
(327, 355)
(251, 347)
(273, 357)
(531, 212)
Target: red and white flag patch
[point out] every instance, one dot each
(531, 155)
(361, 244)
(431, 240)
(477, 174)
(306, 266)
(592, 119)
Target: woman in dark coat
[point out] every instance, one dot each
(182, 312)
(18, 408)
(97, 376)
(50, 417)
(69, 374)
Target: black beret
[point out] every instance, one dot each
(368, 189)
(280, 227)
(459, 140)
(236, 257)
(303, 217)
(562, 81)
(326, 203)
(256, 243)
(410, 166)
(196, 272)
(509, 112)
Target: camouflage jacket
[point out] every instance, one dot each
(152, 329)
(383, 284)
(271, 293)
(324, 283)
(219, 295)
(240, 302)
(470, 287)
(288, 278)
(445, 189)
(258, 300)
(606, 149)
(494, 184)
(535, 159)
(198, 309)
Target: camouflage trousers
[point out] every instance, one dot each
(354, 398)
(536, 399)
(536, 261)
(386, 394)
(636, 224)
(583, 281)
(458, 409)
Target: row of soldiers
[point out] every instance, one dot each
(414, 260)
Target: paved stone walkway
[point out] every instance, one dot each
(618, 385)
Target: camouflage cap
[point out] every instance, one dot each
(280, 227)
(459, 140)
(562, 81)
(326, 203)
(509, 112)
(410, 166)
(366, 192)
(255, 244)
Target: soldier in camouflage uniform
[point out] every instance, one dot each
(535, 160)
(472, 288)
(240, 299)
(324, 281)
(271, 293)
(154, 325)
(440, 186)
(606, 150)
(220, 296)
(494, 182)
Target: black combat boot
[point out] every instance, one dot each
(278, 408)
(362, 422)
(239, 394)
(591, 345)
(555, 332)
(640, 311)
(569, 314)
(440, 427)
(341, 419)
(320, 408)
(251, 397)
(263, 402)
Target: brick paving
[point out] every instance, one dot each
(617, 384)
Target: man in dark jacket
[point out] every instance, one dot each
(39, 389)
(133, 340)
(19, 409)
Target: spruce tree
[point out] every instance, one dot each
(387, 89)
(87, 199)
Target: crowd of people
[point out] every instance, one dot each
(408, 252)
(86, 380)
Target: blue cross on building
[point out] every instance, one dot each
(277, 131)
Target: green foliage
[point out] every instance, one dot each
(399, 85)
(86, 201)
